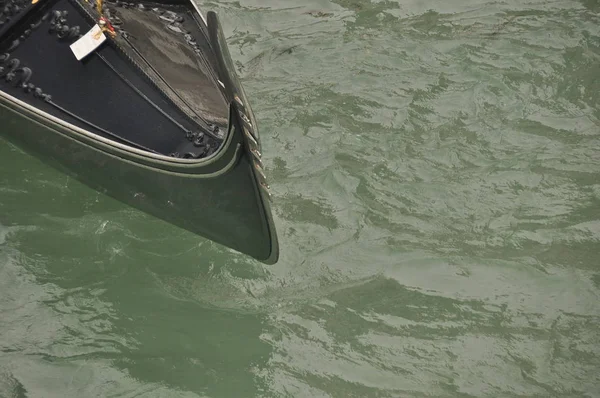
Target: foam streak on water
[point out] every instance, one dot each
(436, 173)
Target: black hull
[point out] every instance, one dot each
(134, 132)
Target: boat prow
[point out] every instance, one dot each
(140, 101)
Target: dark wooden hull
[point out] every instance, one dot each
(222, 195)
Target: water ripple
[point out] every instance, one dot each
(435, 171)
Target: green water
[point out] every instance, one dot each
(435, 167)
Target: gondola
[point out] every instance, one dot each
(141, 101)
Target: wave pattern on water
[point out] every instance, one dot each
(436, 173)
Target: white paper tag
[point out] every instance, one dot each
(88, 42)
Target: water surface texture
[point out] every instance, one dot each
(435, 167)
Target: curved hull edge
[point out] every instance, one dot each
(226, 201)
